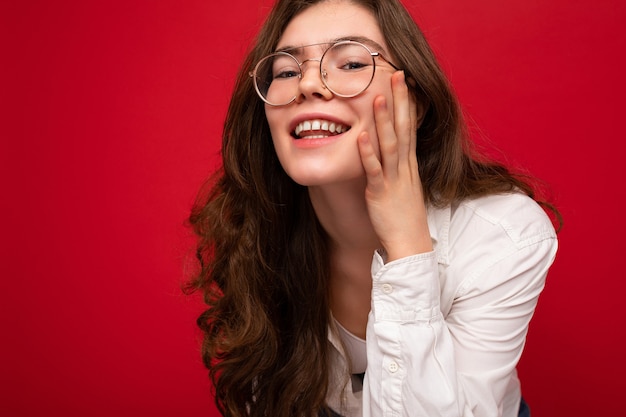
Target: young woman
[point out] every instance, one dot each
(356, 258)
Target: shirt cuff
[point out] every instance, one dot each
(407, 289)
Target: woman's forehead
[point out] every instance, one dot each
(331, 21)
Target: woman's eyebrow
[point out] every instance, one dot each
(372, 44)
(298, 50)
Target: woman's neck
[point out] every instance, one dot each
(342, 212)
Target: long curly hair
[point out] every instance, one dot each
(263, 256)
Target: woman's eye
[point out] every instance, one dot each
(353, 65)
(286, 74)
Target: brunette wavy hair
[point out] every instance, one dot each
(263, 257)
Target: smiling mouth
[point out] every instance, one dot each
(318, 128)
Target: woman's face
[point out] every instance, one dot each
(334, 157)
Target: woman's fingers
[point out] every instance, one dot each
(414, 124)
(403, 113)
(397, 133)
(387, 139)
(371, 164)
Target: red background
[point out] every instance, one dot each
(110, 120)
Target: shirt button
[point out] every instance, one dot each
(387, 288)
(393, 367)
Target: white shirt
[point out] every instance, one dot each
(447, 328)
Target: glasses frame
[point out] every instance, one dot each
(322, 73)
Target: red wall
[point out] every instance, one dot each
(110, 118)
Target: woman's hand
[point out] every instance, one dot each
(394, 191)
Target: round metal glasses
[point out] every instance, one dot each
(346, 69)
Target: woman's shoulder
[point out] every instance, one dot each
(516, 215)
(503, 233)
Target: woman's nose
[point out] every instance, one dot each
(311, 84)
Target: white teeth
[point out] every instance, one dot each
(319, 125)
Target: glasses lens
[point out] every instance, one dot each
(276, 78)
(348, 68)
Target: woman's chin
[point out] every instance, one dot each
(325, 178)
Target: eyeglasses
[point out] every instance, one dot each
(346, 69)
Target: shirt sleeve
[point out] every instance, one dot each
(422, 364)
